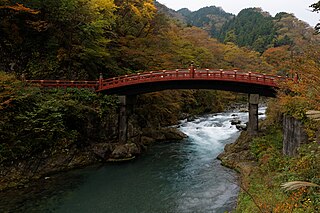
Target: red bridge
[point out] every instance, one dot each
(128, 86)
(229, 80)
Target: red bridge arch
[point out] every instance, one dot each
(139, 83)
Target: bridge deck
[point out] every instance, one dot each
(175, 79)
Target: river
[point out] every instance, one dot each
(170, 177)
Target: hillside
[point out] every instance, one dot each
(252, 27)
(210, 18)
(170, 12)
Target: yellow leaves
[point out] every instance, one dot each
(307, 87)
(149, 10)
(102, 5)
(144, 10)
(135, 10)
(140, 9)
(20, 8)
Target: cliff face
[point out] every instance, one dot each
(293, 135)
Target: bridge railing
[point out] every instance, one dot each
(145, 77)
(206, 74)
(165, 75)
(65, 83)
(238, 76)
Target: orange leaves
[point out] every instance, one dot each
(20, 8)
(296, 200)
(279, 58)
(305, 68)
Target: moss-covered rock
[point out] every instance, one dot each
(238, 155)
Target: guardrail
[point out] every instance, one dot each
(207, 74)
(65, 84)
(165, 75)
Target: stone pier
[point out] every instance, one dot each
(253, 114)
(126, 108)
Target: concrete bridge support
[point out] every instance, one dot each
(126, 108)
(253, 114)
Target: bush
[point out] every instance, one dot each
(34, 121)
(264, 193)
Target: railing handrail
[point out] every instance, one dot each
(214, 74)
(166, 75)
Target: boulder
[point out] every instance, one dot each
(237, 152)
(157, 135)
(235, 121)
(124, 151)
(147, 140)
(243, 110)
(174, 134)
(162, 134)
(241, 127)
(120, 151)
(133, 149)
(191, 118)
(102, 149)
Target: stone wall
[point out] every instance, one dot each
(293, 135)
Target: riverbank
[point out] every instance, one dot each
(263, 169)
(19, 174)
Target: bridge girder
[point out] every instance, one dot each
(147, 87)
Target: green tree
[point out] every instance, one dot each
(134, 17)
(63, 39)
(230, 37)
(316, 8)
(246, 32)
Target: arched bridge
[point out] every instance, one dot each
(139, 83)
(127, 86)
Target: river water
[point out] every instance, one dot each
(170, 177)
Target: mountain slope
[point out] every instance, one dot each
(252, 27)
(210, 18)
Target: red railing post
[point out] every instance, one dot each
(264, 78)
(221, 72)
(23, 77)
(100, 81)
(192, 70)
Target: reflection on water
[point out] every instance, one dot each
(170, 177)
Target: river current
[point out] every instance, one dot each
(173, 177)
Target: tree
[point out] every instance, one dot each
(280, 59)
(316, 8)
(134, 17)
(243, 30)
(56, 39)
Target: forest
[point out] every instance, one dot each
(79, 39)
